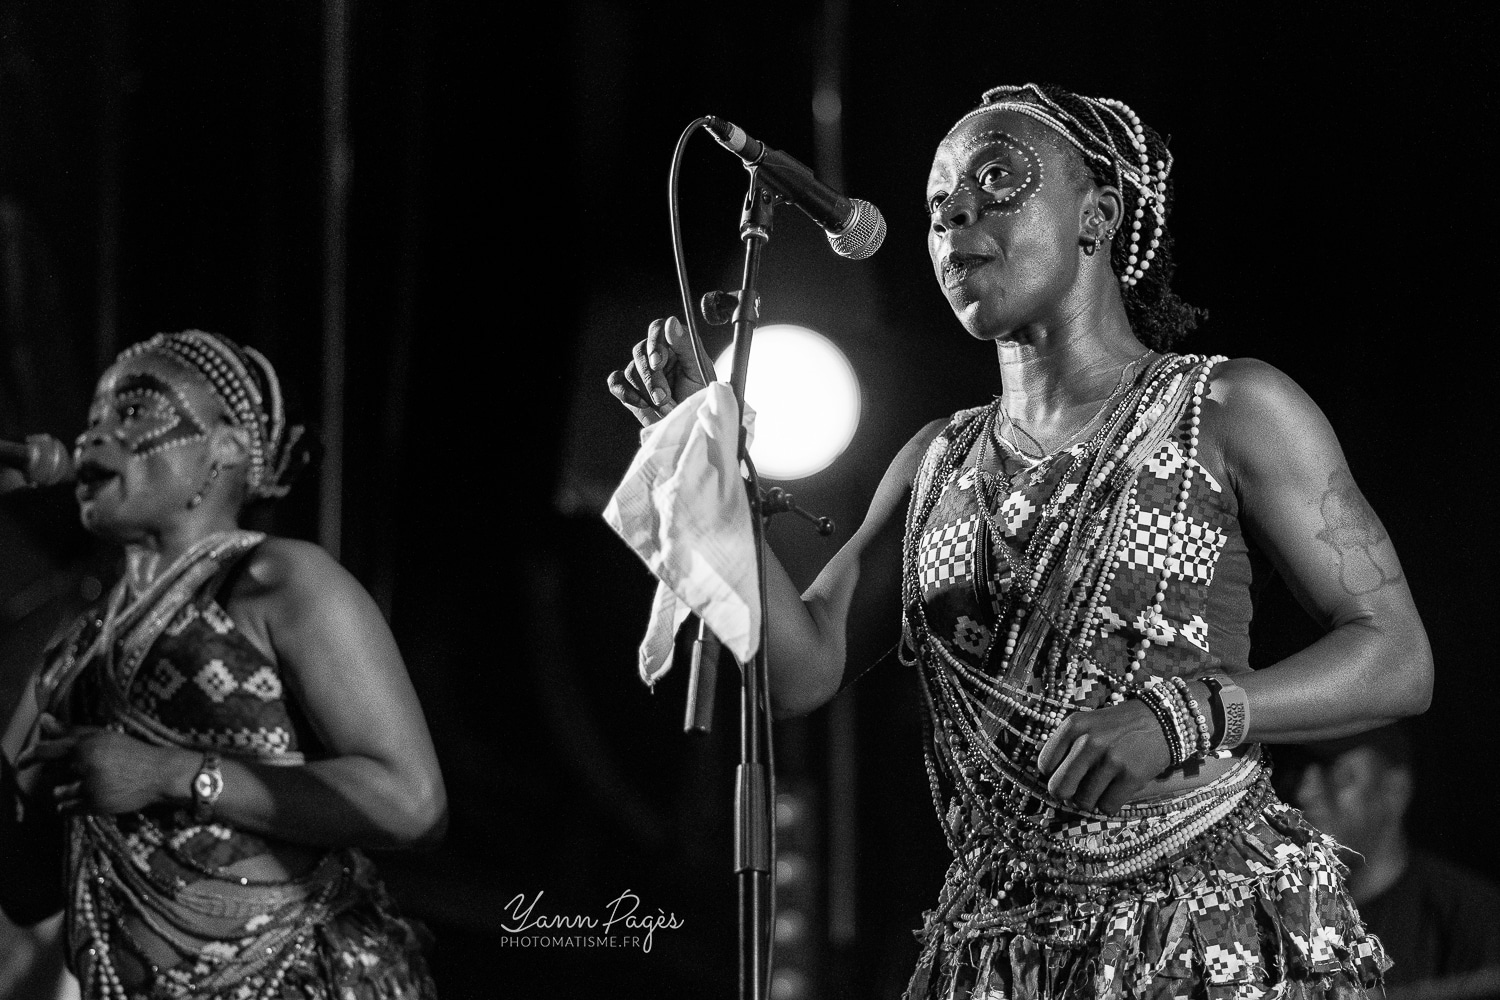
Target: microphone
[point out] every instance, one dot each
(43, 460)
(855, 227)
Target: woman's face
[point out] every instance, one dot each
(1005, 217)
(146, 450)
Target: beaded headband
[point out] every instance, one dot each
(252, 403)
(1133, 169)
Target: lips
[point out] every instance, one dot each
(957, 265)
(92, 477)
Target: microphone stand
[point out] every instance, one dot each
(754, 804)
(754, 826)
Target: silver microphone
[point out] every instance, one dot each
(855, 227)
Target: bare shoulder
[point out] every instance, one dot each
(899, 476)
(293, 571)
(903, 470)
(1259, 410)
(1247, 386)
(912, 454)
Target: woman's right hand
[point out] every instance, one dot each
(661, 372)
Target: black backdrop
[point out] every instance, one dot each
(160, 168)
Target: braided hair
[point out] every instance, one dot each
(246, 386)
(1110, 145)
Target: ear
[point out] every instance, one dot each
(229, 446)
(1102, 214)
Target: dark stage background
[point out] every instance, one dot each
(165, 165)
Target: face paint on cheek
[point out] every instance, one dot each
(1020, 181)
(163, 418)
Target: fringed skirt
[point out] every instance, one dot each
(1265, 915)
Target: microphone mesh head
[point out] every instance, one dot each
(864, 233)
(48, 462)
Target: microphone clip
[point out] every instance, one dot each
(777, 501)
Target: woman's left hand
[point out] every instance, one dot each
(1099, 760)
(96, 770)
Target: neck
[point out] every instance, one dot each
(1047, 370)
(150, 554)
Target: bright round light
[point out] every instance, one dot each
(805, 397)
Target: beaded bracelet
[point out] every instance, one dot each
(1179, 718)
(1231, 709)
(1157, 695)
(1204, 744)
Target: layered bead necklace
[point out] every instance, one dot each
(986, 724)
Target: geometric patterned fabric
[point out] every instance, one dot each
(207, 681)
(1266, 913)
(962, 587)
(317, 923)
(206, 678)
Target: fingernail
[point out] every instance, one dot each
(654, 359)
(658, 396)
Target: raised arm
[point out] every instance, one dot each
(808, 632)
(1300, 503)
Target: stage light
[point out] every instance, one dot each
(805, 396)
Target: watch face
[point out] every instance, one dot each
(207, 784)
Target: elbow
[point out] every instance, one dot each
(804, 680)
(432, 831)
(423, 821)
(786, 707)
(1421, 693)
(1413, 691)
(810, 693)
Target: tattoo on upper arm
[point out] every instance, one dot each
(1351, 529)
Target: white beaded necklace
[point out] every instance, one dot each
(1055, 609)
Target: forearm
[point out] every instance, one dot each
(1360, 675)
(348, 801)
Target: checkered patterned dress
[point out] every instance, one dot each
(1219, 892)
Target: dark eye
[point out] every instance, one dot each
(936, 201)
(993, 174)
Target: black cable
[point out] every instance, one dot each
(699, 354)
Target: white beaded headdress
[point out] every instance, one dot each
(251, 398)
(1132, 169)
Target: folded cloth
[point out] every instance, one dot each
(683, 508)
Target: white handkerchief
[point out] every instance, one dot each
(682, 507)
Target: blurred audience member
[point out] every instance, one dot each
(1439, 921)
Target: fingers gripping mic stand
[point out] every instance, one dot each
(754, 837)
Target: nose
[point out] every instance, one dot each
(91, 436)
(956, 211)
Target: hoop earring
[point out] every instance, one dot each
(197, 498)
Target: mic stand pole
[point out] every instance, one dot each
(754, 830)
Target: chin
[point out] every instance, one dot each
(106, 523)
(981, 326)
